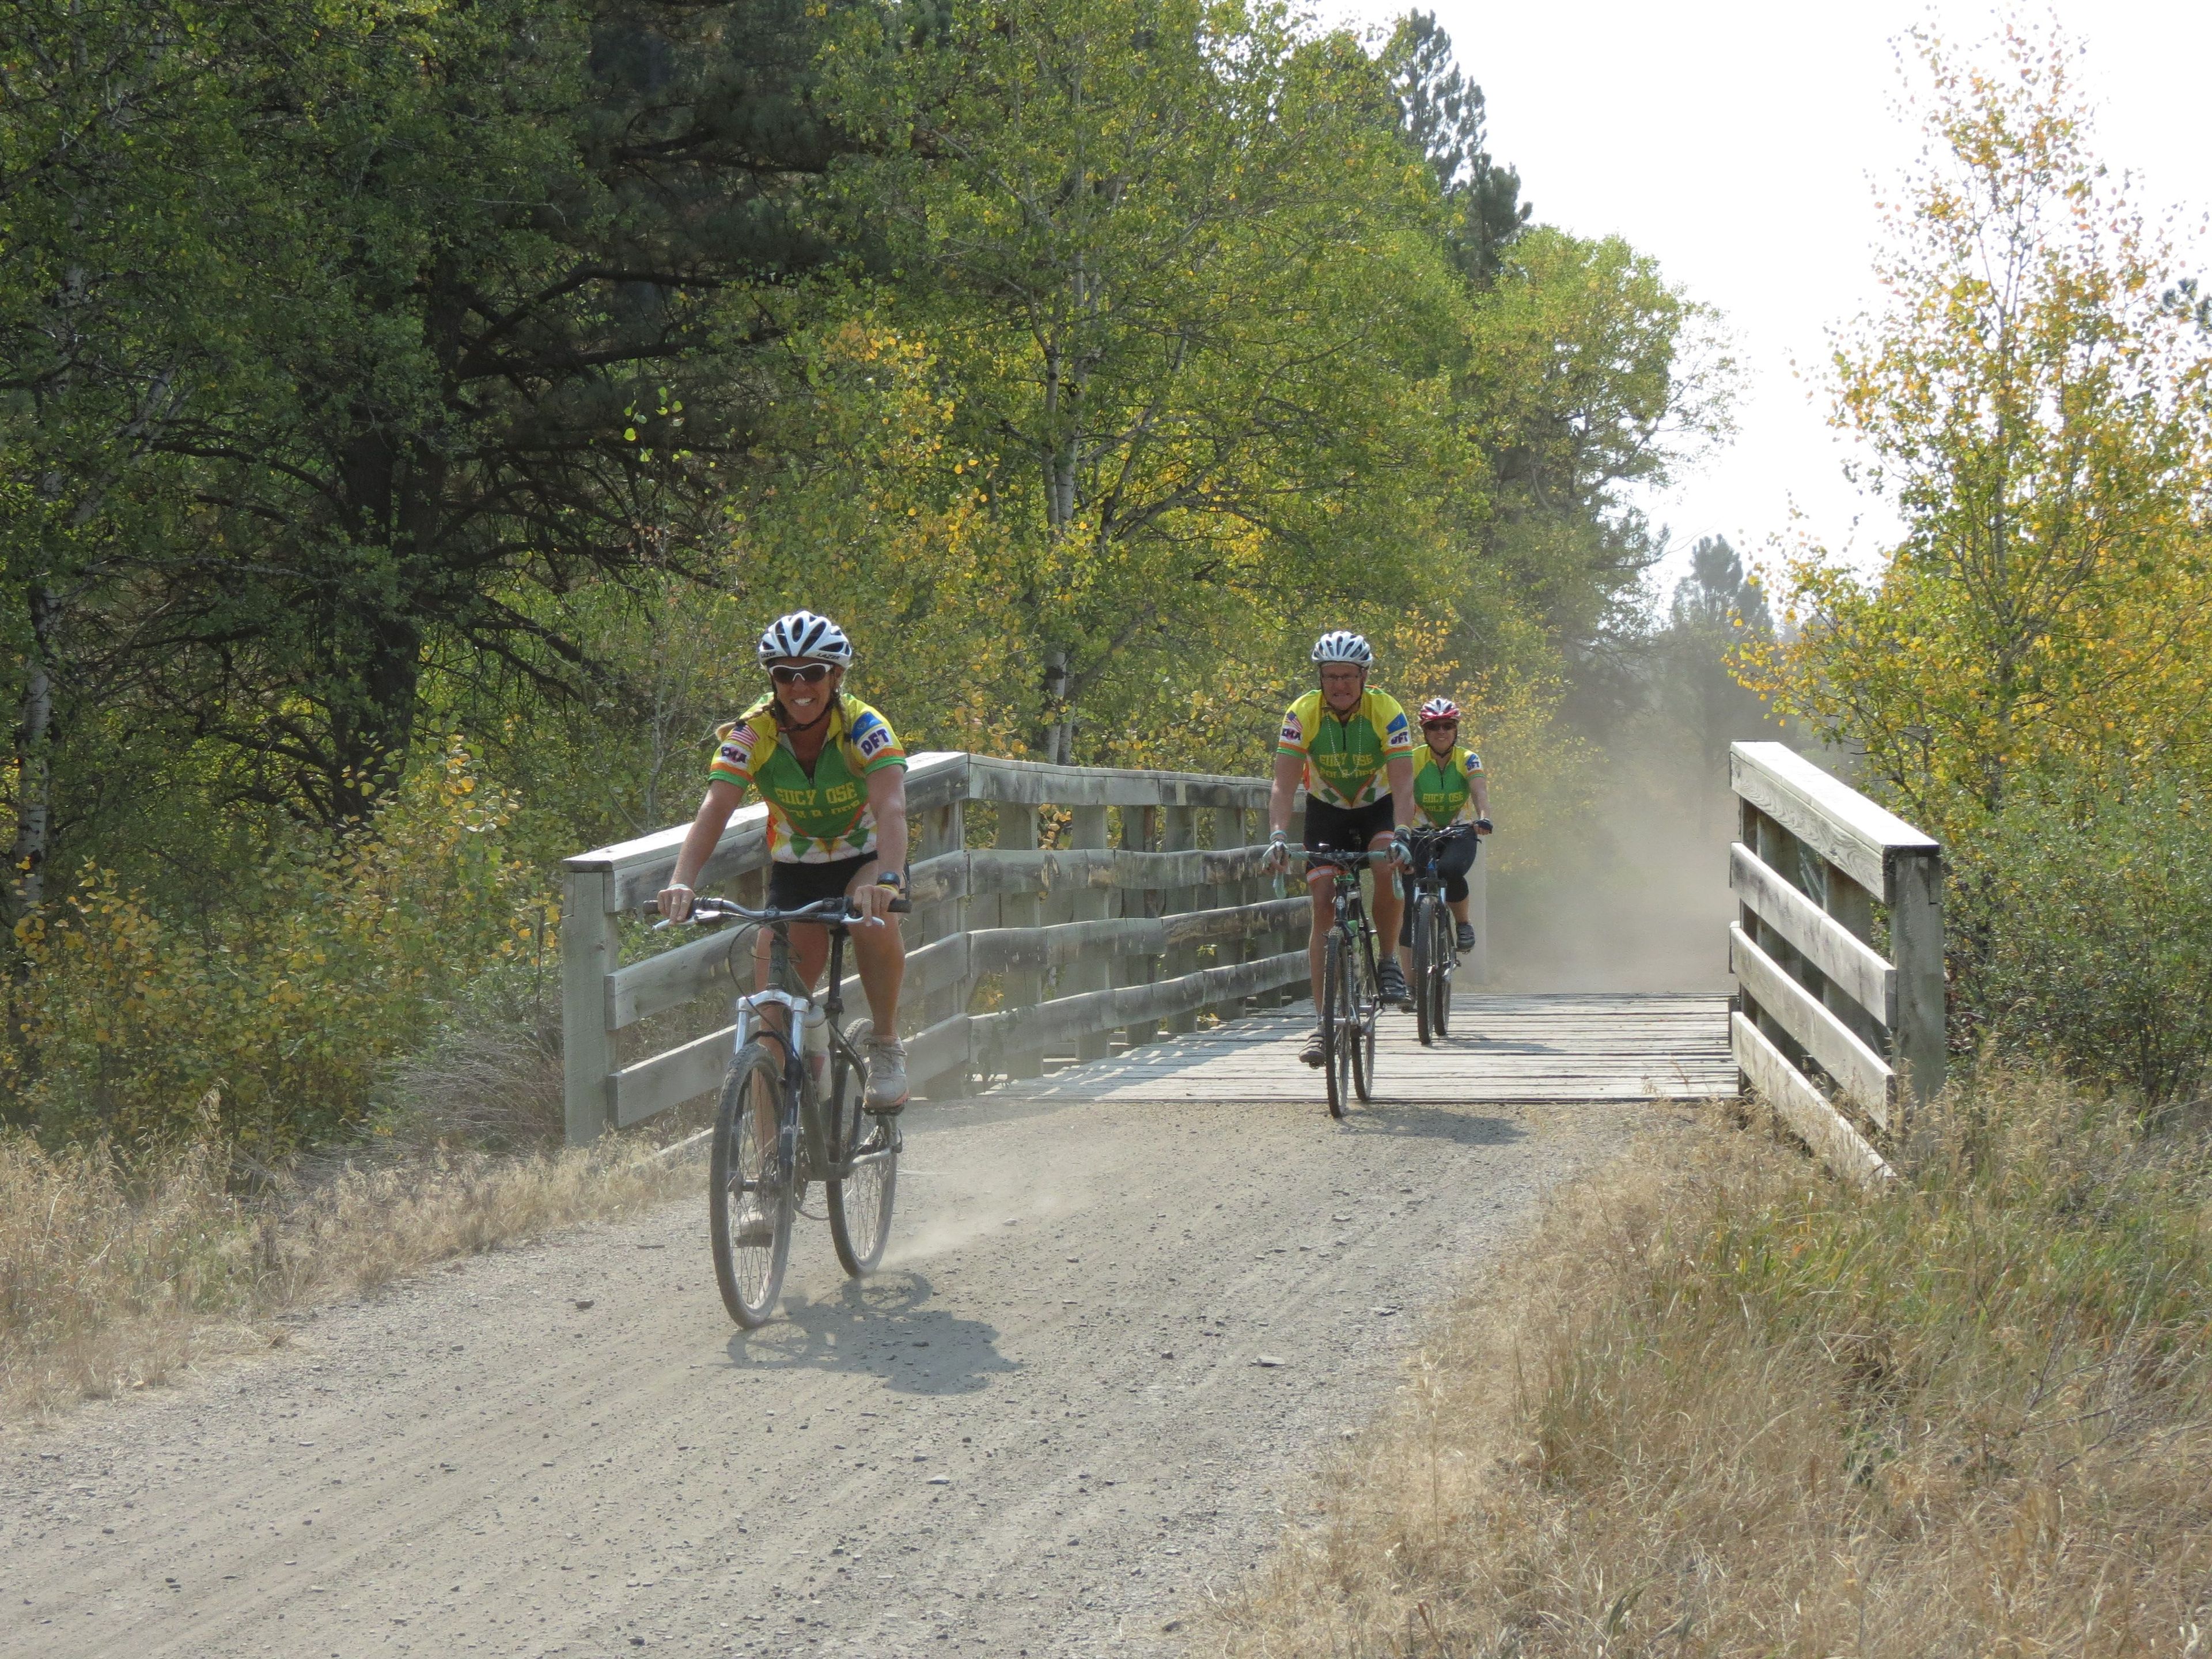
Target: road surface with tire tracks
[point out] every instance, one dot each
(1111, 1343)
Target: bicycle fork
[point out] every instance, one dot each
(795, 1083)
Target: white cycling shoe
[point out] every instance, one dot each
(887, 1085)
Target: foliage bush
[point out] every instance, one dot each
(268, 1024)
(2083, 930)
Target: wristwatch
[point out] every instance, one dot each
(892, 878)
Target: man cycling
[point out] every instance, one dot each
(1449, 787)
(1353, 749)
(833, 776)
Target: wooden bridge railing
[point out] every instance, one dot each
(1085, 938)
(1834, 1033)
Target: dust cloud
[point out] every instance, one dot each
(1618, 877)
(1633, 896)
(966, 1205)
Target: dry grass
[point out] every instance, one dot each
(111, 1280)
(1735, 1409)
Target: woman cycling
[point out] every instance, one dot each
(833, 776)
(1450, 788)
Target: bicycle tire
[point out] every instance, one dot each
(1339, 1032)
(1446, 955)
(1424, 963)
(746, 1167)
(860, 1202)
(1366, 1015)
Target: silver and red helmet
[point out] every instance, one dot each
(1439, 711)
(1342, 645)
(803, 633)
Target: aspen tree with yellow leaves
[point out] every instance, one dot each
(2033, 398)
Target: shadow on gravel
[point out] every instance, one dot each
(1431, 1122)
(881, 1326)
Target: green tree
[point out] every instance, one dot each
(1588, 375)
(1184, 289)
(340, 342)
(2035, 402)
(1443, 116)
(135, 218)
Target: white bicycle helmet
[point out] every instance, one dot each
(803, 633)
(1342, 645)
(1437, 710)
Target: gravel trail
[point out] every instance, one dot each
(1109, 1344)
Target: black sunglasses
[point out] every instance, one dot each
(804, 674)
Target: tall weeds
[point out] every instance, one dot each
(110, 1276)
(1743, 1409)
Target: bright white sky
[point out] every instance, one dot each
(1739, 144)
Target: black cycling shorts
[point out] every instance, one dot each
(1452, 860)
(791, 885)
(1347, 828)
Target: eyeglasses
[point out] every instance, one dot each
(1439, 725)
(808, 673)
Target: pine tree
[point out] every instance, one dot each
(1443, 115)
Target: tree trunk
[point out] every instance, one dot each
(1059, 728)
(33, 763)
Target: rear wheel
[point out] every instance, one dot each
(750, 1198)
(1339, 1030)
(861, 1202)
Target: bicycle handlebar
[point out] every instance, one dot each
(834, 911)
(1334, 858)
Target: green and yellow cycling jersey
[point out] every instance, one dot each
(817, 819)
(1441, 787)
(1345, 755)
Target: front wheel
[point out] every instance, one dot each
(1366, 1015)
(1425, 946)
(750, 1200)
(1339, 1030)
(861, 1199)
(1443, 953)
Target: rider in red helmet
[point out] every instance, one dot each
(1449, 788)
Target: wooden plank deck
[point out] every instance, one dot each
(1504, 1050)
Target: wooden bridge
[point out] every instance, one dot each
(1094, 935)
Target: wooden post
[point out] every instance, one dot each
(1916, 946)
(1221, 833)
(945, 831)
(587, 956)
(1178, 834)
(1142, 824)
(1478, 914)
(1024, 986)
(1086, 832)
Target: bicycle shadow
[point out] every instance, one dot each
(1460, 1125)
(879, 1326)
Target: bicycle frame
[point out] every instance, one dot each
(1350, 904)
(799, 1111)
(801, 1124)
